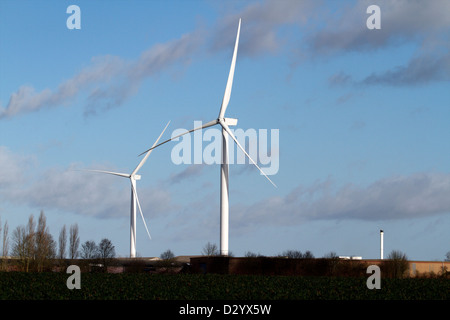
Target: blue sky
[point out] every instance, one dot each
(362, 116)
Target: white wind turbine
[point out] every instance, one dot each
(133, 176)
(225, 123)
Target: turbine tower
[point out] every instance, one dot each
(381, 244)
(225, 123)
(133, 176)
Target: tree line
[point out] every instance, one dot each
(34, 249)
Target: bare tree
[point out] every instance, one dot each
(331, 255)
(167, 259)
(106, 249)
(18, 249)
(45, 246)
(3, 256)
(1, 231)
(106, 252)
(167, 255)
(33, 245)
(250, 254)
(29, 241)
(40, 241)
(5, 244)
(62, 243)
(4, 247)
(89, 250)
(210, 249)
(292, 254)
(74, 241)
(396, 265)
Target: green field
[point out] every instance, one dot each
(104, 286)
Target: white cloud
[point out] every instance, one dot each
(74, 191)
(12, 167)
(109, 80)
(319, 32)
(420, 70)
(105, 196)
(191, 172)
(392, 198)
(260, 25)
(403, 21)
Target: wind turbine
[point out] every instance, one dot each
(225, 123)
(133, 176)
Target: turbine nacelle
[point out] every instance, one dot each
(136, 177)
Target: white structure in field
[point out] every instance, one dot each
(225, 123)
(381, 244)
(133, 176)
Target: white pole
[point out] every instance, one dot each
(224, 208)
(381, 244)
(133, 221)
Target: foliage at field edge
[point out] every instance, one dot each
(104, 286)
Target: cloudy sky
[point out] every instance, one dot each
(361, 114)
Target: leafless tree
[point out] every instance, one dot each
(4, 247)
(210, 249)
(292, 254)
(167, 259)
(29, 241)
(33, 244)
(89, 250)
(19, 244)
(167, 255)
(1, 229)
(62, 243)
(396, 265)
(250, 254)
(24, 244)
(2, 265)
(45, 246)
(331, 255)
(74, 241)
(106, 252)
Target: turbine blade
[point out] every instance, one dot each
(125, 175)
(206, 125)
(227, 129)
(146, 156)
(140, 210)
(226, 97)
